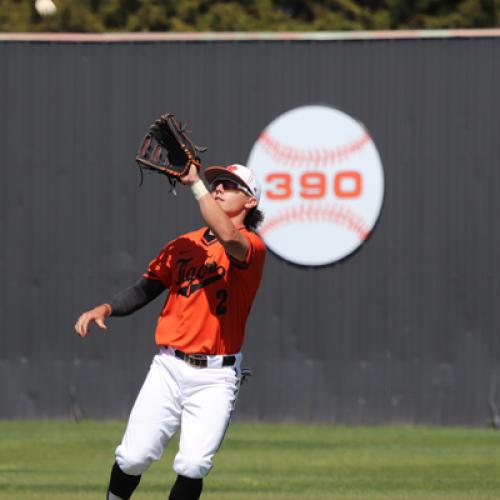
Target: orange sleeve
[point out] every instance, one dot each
(160, 268)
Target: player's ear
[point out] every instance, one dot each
(251, 203)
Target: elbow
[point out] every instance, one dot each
(235, 245)
(230, 237)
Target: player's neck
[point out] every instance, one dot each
(239, 219)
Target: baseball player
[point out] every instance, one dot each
(212, 275)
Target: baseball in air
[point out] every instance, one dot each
(322, 184)
(45, 7)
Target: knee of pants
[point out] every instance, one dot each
(132, 462)
(192, 467)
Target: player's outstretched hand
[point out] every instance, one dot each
(96, 315)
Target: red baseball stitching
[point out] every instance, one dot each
(336, 214)
(312, 157)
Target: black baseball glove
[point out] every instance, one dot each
(168, 150)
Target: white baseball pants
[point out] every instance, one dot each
(176, 395)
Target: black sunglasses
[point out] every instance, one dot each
(227, 185)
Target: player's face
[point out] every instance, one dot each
(229, 195)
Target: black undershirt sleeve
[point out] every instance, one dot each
(134, 297)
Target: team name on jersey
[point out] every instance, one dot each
(191, 278)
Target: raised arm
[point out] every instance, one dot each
(222, 222)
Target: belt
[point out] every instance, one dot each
(201, 360)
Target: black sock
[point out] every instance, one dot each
(122, 485)
(186, 488)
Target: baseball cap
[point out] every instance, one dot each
(239, 173)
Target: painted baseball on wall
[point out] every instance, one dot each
(322, 184)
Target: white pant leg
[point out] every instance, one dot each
(154, 419)
(207, 407)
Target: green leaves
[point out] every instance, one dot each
(249, 15)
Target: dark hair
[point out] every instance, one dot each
(253, 219)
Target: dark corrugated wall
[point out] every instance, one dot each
(405, 330)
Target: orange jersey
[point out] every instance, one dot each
(210, 294)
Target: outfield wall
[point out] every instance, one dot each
(406, 329)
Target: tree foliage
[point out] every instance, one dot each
(249, 15)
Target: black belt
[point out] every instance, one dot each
(200, 360)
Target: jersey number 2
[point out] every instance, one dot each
(221, 305)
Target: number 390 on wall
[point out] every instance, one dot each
(314, 185)
(322, 184)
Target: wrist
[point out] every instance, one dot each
(107, 308)
(198, 189)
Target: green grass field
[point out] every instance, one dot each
(51, 460)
